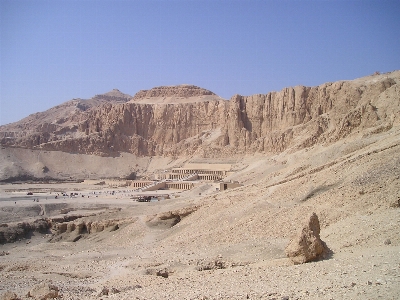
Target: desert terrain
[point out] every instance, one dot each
(207, 243)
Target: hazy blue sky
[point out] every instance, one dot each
(53, 51)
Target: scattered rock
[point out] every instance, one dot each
(163, 272)
(307, 246)
(215, 264)
(395, 204)
(132, 287)
(387, 242)
(108, 291)
(115, 291)
(9, 296)
(43, 291)
(104, 292)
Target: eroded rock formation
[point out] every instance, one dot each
(9, 234)
(307, 246)
(74, 230)
(212, 127)
(171, 218)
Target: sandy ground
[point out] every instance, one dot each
(231, 245)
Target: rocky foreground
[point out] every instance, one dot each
(225, 245)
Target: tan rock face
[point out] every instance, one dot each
(307, 246)
(294, 117)
(79, 226)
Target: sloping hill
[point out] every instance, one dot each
(230, 244)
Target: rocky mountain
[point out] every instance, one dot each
(180, 91)
(56, 121)
(188, 120)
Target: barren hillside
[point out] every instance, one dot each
(332, 150)
(228, 244)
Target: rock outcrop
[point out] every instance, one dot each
(307, 246)
(44, 291)
(68, 227)
(9, 234)
(296, 117)
(170, 218)
(74, 230)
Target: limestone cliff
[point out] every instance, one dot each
(195, 121)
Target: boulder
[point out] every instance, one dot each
(114, 290)
(104, 292)
(43, 291)
(307, 245)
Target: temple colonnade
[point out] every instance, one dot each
(198, 171)
(209, 177)
(139, 184)
(180, 185)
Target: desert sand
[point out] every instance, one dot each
(231, 244)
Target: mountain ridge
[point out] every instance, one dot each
(296, 117)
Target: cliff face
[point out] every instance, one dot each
(209, 126)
